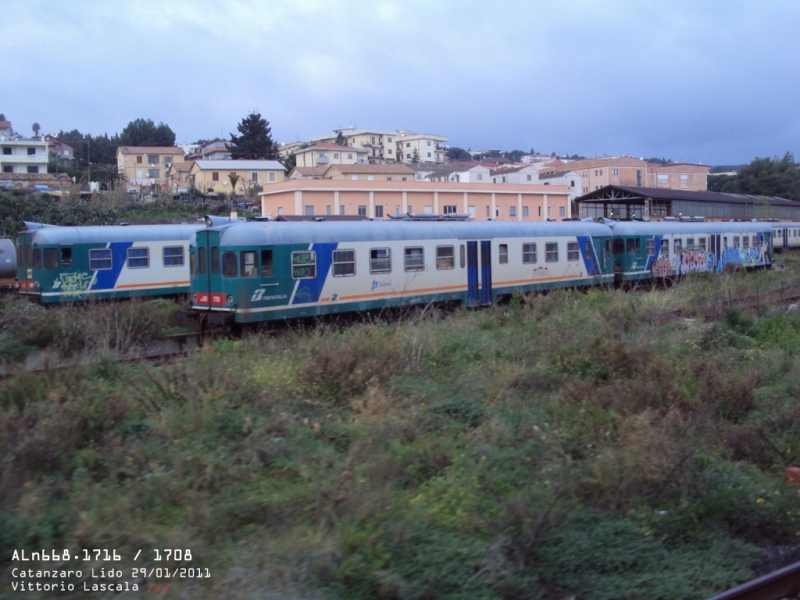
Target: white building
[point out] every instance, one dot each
(20, 155)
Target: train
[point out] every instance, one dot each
(259, 272)
(786, 235)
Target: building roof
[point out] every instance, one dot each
(239, 165)
(151, 150)
(318, 218)
(512, 169)
(611, 193)
(368, 169)
(183, 167)
(310, 171)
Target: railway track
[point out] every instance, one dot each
(778, 585)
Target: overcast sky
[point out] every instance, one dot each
(715, 82)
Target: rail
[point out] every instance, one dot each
(778, 585)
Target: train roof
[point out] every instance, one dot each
(325, 232)
(677, 227)
(94, 234)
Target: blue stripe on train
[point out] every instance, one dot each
(107, 279)
(309, 290)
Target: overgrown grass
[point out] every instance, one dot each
(586, 444)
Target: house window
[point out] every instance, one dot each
(271, 177)
(380, 260)
(551, 252)
(404, 178)
(540, 211)
(479, 177)
(487, 212)
(429, 143)
(139, 160)
(388, 179)
(100, 259)
(379, 210)
(328, 209)
(153, 173)
(249, 265)
(662, 178)
(214, 176)
(525, 211)
(138, 258)
(512, 211)
(341, 210)
(267, 269)
(8, 168)
(614, 172)
(152, 159)
(354, 177)
(528, 177)
(350, 156)
(168, 160)
(254, 177)
(7, 150)
(31, 151)
(562, 211)
(388, 139)
(33, 169)
(304, 264)
(362, 210)
(344, 263)
(445, 257)
(309, 210)
(414, 259)
(529, 253)
(503, 254)
(573, 251)
(429, 154)
(450, 209)
(408, 145)
(173, 256)
(335, 155)
(408, 156)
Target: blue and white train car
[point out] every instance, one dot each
(785, 235)
(669, 249)
(252, 272)
(65, 264)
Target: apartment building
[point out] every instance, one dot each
(21, 155)
(325, 154)
(378, 172)
(627, 171)
(215, 175)
(147, 167)
(420, 147)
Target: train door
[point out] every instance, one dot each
(205, 271)
(716, 247)
(785, 238)
(479, 272)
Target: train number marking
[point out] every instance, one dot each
(334, 297)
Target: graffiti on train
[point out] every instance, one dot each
(694, 260)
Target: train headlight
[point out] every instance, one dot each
(229, 300)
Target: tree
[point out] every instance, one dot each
(340, 139)
(143, 132)
(36, 127)
(289, 162)
(234, 179)
(415, 157)
(456, 153)
(768, 177)
(110, 175)
(255, 141)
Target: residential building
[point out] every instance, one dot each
(460, 173)
(307, 172)
(378, 199)
(63, 152)
(325, 154)
(523, 175)
(378, 172)
(420, 147)
(569, 179)
(146, 167)
(627, 171)
(216, 150)
(215, 174)
(179, 175)
(21, 155)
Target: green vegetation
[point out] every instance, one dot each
(768, 177)
(588, 444)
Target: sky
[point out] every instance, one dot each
(700, 81)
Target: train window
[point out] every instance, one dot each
(415, 259)
(66, 258)
(528, 254)
(173, 256)
(503, 254)
(736, 241)
(192, 264)
(588, 249)
(664, 248)
(100, 259)
(702, 243)
(446, 256)
(551, 252)
(51, 258)
(304, 264)
(344, 263)
(630, 246)
(215, 260)
(677, 246)
(725, 241)
(249, 264)
(380, 260)
(138, 258)
(619, 247)
(462, 255)
(201, 260)
(689, 243)
(745, 241)
(608, 248)
(37, 259)
(267, 269)
(573, 251)
(228, 264)
(651, 247)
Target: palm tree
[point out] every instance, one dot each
(234, 180)
(110, 175)
(36, 127)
